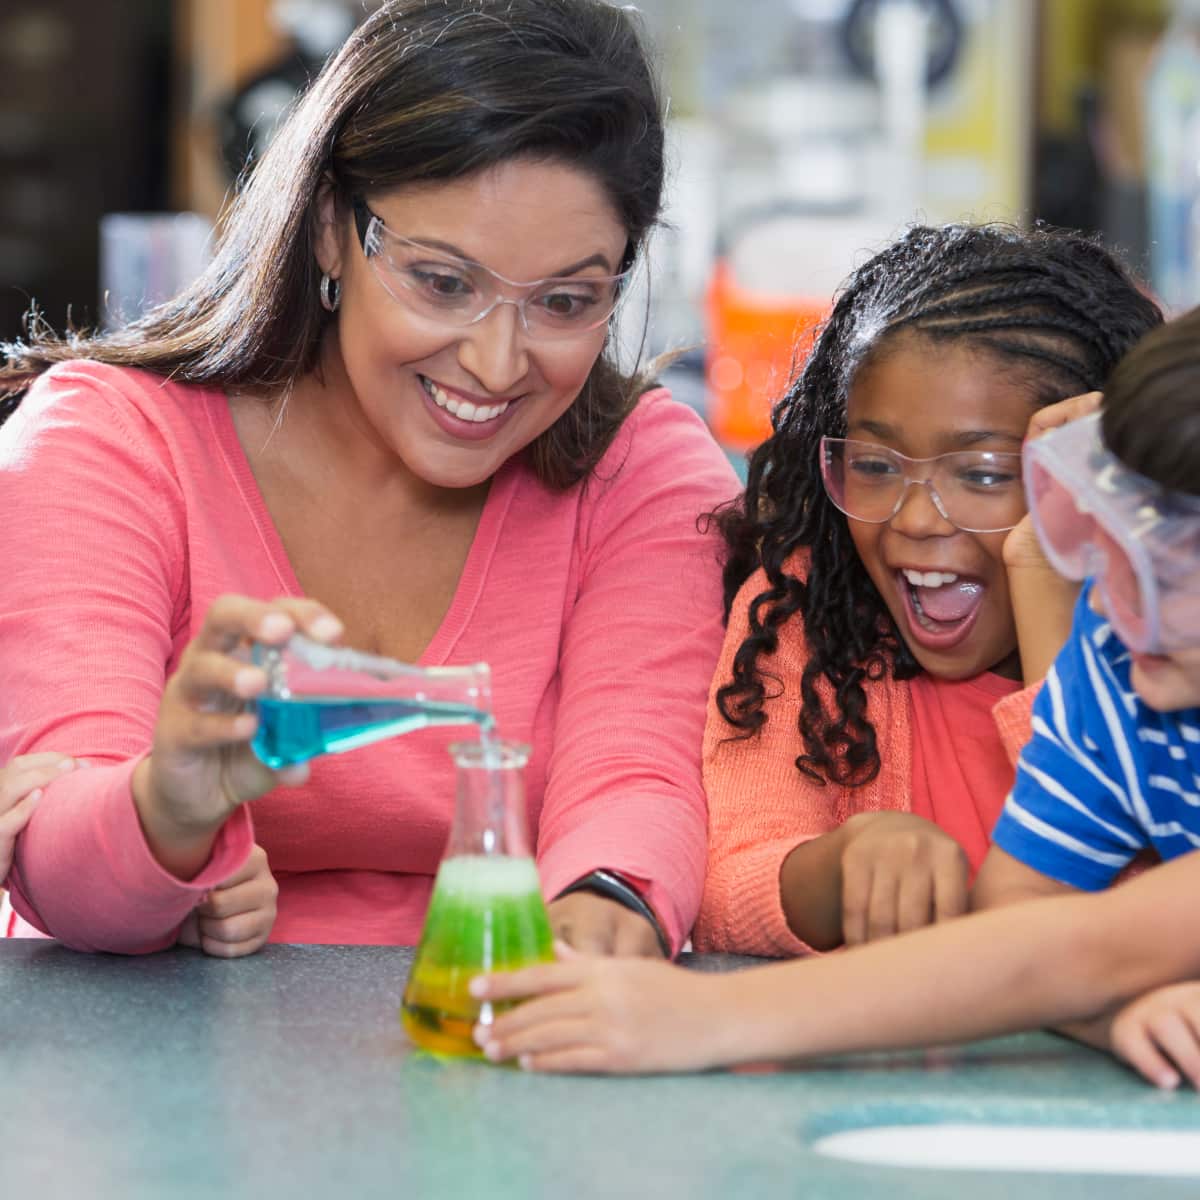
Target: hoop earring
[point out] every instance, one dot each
(331, 293)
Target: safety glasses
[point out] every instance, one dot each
(1141, 543)
(978, 491)
(456, 291)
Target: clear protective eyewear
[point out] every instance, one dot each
(977, 491)
(457, 291)
(1095, 517)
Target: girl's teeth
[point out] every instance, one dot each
(464, 410)
(928, 579)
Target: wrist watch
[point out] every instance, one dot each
(612, 886)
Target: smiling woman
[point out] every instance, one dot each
(385, 415)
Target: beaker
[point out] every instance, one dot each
(322, 699)
(486, 912)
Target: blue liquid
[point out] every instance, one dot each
(293, 731)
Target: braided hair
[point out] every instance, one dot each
(1052, 304)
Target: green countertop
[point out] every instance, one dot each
(287, 1074)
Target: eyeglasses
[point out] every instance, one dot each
(1096, 517)
(977, 491)
(457, 291)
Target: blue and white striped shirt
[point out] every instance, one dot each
(1103, 775)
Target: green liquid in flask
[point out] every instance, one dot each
(486, 914)
(293, 731)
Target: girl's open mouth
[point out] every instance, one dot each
(942, 607)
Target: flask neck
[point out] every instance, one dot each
(489, 814)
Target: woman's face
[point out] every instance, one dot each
(406, 370)
(946, 589)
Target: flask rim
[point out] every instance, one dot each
(492, 754)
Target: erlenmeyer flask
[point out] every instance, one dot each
(486, 912)
(323, 699)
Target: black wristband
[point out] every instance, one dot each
(611, 886)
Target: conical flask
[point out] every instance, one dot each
(486, 912)
(322, 699)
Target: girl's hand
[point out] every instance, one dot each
(1158, 1035)
(899, 872)
(235, 919)
(21, 784)
(596, 925)
(1021, 547)
(589, 1014)
(201, 766)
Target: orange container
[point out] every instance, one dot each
(757, 342)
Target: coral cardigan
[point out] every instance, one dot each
(760, 807)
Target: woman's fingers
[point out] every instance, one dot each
(218, 677)
(233, 619)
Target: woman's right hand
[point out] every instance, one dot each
(899, 872)
(201, 766)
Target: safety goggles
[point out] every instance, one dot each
(978, 491)
(1095, 517)
(457, 291)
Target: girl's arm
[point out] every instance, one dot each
(1042, 962)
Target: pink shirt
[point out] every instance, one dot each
(961, 773)
(130, 507)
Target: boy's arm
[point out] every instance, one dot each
(1003, 879)
(1018, 967)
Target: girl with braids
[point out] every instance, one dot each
(387, 414)
(1111, 768)
(890, 612)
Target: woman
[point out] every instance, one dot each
(384, 415)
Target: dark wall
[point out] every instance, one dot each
(84, 112)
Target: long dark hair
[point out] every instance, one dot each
(423, 90)
(1054, 305)
(1151, 412)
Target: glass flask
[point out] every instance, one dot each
(322, 699)
(486, 912)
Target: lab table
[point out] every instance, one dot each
(288, 1074)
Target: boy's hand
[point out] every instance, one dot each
(601, 1015)
(1158, 1034)
(899, 872)
(21, 784)
(235, 919)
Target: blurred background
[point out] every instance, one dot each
(804, 134)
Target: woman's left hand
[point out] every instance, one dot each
(596, 925)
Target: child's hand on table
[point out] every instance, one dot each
(899, 872)
(235, 919)
(590, 1014)
(1158, 1034)
(21, 784)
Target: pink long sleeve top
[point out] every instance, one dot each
(130, 506)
